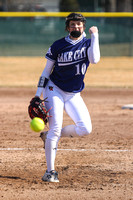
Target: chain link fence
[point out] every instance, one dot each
(32, 36)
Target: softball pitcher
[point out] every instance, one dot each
(61, 81)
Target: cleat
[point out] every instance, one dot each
(43, 136)
(51, 176)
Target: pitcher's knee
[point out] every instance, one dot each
(86, 131)
(83, 129)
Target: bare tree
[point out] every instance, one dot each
(123, 5)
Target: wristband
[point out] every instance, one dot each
(42, 82)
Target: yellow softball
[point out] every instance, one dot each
(37, 124)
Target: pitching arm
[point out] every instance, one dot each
(44, 77)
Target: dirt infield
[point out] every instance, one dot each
(99, 166)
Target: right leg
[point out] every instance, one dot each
(55, 101)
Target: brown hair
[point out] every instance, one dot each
(75, 17)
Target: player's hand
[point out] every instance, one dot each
(93, 29)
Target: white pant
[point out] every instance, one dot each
(74, 106)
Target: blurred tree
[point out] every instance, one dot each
(69, 6)
(3, 5)
(86, 6)
(124, 5)
(106, 5)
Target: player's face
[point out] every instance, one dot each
(75, 29)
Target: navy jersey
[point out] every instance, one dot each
(71, 63)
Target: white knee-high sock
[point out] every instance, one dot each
(69, 131)
(50, 153)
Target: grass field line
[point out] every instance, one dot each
(79, 150)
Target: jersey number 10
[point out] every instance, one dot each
(81, 70)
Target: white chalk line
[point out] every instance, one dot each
(79, 150)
